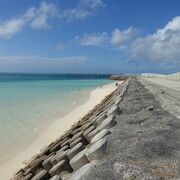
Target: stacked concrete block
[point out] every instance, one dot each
(70, 155)
(59, 167)
(97, 150)
(47, 163)
(79, 160)
(108, 123)
(56, 177)
(62, 156)
(42, 175)
(75, 150)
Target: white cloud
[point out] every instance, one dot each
(121, 37)
(93, 39)
(39, 17)
(11, 27)
(25, 59)
(36, 17)
(61, 46)
(162, 46)
(84, 9)
(45, 11)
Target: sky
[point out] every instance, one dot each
(90, 36)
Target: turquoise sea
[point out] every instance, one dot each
(30, 102)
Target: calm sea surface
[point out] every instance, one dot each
(30, 102)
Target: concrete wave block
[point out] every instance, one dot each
(59, 167)
(78, 140)
(64, 148)
(113, 110)
(108, 123)
(62, 156)
(47, 163)
(56, 177)
(79, 160)
(83, 172)
(53, 160)
(45, 150)
(27, 171)
(42, 175)
(97, 150)
(56, 147)
(65, 143)
(100, 135)
(36, 164)
(27, 177)
(86, 126)
(79, 134)
(75, 150)
(90, 129)
(75, 131)
(65, 138)
(117, 101)
(98, 120)
(18, 176)
(92, 134)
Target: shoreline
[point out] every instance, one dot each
(55, 130)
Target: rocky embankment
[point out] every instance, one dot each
(128, 136)
(118, 77)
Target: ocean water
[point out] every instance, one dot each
(30, 102)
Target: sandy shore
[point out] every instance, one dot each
(56, 130)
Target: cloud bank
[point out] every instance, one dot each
(163, 45)
(97, 39)
(39, 17)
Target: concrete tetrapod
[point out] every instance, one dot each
(62, 156)
(36, 164)
(64, 148)
(42, 175)
(98, 120)
(56, 147)
(65, 143)
(114, 109)
(108, 123)
(100, 135)
(59, 167)
(92, 134)
(82, 172)
(75, 131)
(53, 160)
(90, 129)
(97, 150)
(78, 140)
(27, 171)
(79, 134)
(75, 150)
(27, 177)
(56, 177)
(86, 126)
(47, 163)
(79, 160)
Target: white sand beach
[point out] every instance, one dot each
(56, 130)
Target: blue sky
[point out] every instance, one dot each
(90, 36)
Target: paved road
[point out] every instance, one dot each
(175, 85)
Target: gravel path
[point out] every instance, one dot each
(144, 144)
(175, 85)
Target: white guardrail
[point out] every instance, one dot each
(172, 77)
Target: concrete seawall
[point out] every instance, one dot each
(129, 136)
(172, 77)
